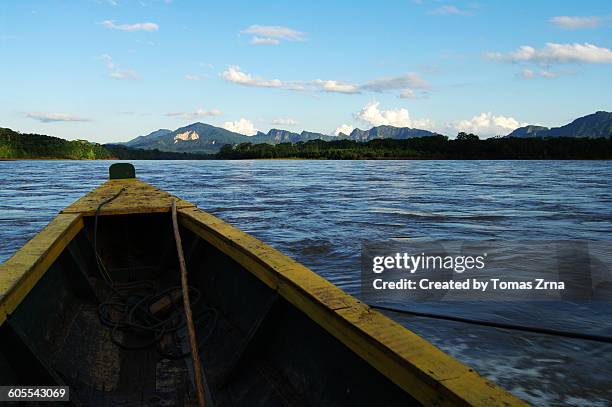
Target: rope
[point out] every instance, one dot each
(501, 325)
(127, 308)
(195, 357)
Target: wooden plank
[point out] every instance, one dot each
(251, 336)
(137, 197)
(421, 369)
(22, 271)
(29, 364)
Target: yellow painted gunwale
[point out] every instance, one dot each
(428, 374)
(20, 273)
(421, 369)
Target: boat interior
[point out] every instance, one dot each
(111, 326)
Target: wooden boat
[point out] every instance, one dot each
(270, 331)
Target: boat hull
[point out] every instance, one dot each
(271, 331)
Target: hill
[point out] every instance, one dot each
(598, 124)
(194, 138)
(18, 145)
(276, 136)
(143, 140)
(528, 131)
(381, 132)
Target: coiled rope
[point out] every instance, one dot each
(127, 308)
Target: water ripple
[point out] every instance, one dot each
(320, 212)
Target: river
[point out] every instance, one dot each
(319, 212)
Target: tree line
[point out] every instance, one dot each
(465, 146)
(127, 153)
(15, 145)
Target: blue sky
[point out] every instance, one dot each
(110, 70)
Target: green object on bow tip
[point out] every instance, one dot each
(121, 171)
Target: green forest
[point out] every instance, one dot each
(127, 153)
(465, 146)
(15, 145)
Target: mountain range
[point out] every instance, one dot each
(206, 138)
(598, 124)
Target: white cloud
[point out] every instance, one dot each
(343, 128)
(399, 117)
(544, 73)
(488, 124)
(108, 61)
(56, 117)
(450, 10)
(114, 71)
(193, 77)
(404, 83)
(572, 23)
(267, 34)
(284, 121)
(264, 41)
(128, 74)
(293, 85)
(131, 27)
(410, 80)
(407, 94)
(234, 74)
(242, 126)
(196, 114)
(547, 74)
(556, 53)
(336, 86)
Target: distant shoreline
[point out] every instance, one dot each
(57, 159)
(17, 146)
(313, 159)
